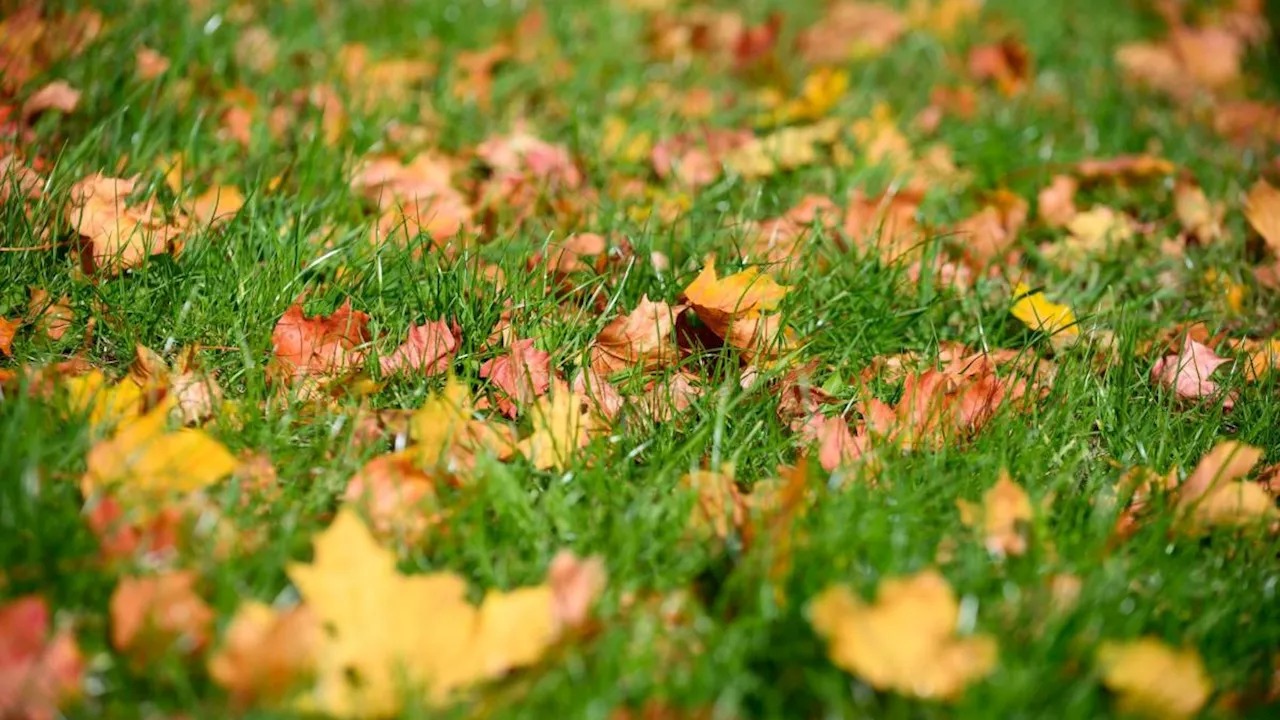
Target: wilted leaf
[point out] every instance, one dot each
(643, 339)
(521, 376)
(1187, 373)
(428, 350)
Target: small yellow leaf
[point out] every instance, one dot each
(1038, 313)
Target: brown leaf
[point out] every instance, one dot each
(52, 319)
(851, 29)
(1056, 203)
(1262, 208)
(1187, 373)
(1007, 64)
(150, 64)
(8, 328)
(1124, 168)
(575, 586)
(397, 497)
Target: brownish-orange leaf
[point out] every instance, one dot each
(311, 348)
(428, 350)
(266, 654)
(154, 614)
(38, 673)
(521, 376)
(643, 339)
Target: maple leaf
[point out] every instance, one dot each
(387, 634)
(418, 196)
(118, 237)
(319, 348)
(57, 95)
(448, 437)
(1262, 208)
(642, 339)
(1187, 373)
(906, 640)
(195, 395)
(733, 307)
(149, 64)
(126, 533)
(695, 159)
(1201, 220)
(561, 426)
(1003, 517)
(8, 328)
(397, 496)
(1215, 495)
(153, 614)
(666, 398)
(38, 673)
(1007, 64)
(146, 459)
(52, 319)
(575, 585)
(216, 206)
(851, 30)
(1124, 167)
(429, 349)
(991, 232)
(718, 507)
(266, 654)
(604, 400)
(1038, 313)
(103, 405)
(1056, 203)
(837, 444)
(522, 375)
(1153, 679)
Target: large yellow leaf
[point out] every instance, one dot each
(143, 456)
(390, 635)
(1153, 679)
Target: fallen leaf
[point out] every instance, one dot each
(1007, 64)
(217, 205)
(1187, 373)
(153, 614)
(8, 329)
(851, 30)
(906, 640)
(52, 319)
(561, 426)
(1039, 314)
(1004, 517)
(521, 376)
(1262, 208)
(643, 339)
(266, 654)
(428, 350)
(144, 458)
(387, 634)
(734, 306)
(1200, 219)
(256, 49)
(118, 237)
(718, 508)
(39, 674)
(397, 496)
(319, 348)
(1056, 203)
(575, 584)
(1154, 680)
(1124, 167)
(57, 95)
(1214, 494)
(150, 64)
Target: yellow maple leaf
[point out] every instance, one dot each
(906, 640)
(561, 425)
(718, 301)
(1038, 313)
(104, 405)
(1153, 679)
(389, 635)
(145, 457)
(446, 434)
(1004, 516)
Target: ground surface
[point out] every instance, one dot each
(537, 127)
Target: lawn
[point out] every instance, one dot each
(639, 359)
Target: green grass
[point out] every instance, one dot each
(746, 649)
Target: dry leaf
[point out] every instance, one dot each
(906, 640)
(1154, 680)
(57, 95)
(562, 425)
(155, 613)
(1038, 313)
(644, 339)
(1187, 373)
(428, 350)
(397, 496)
(1214, 494)
(319, 347)
(150, 64)
(38, 673)
(266, 654)
(8, 329)
(1056, 203)
(1004, 517)
(1262, 208)
(52, 319)
(521, 376)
